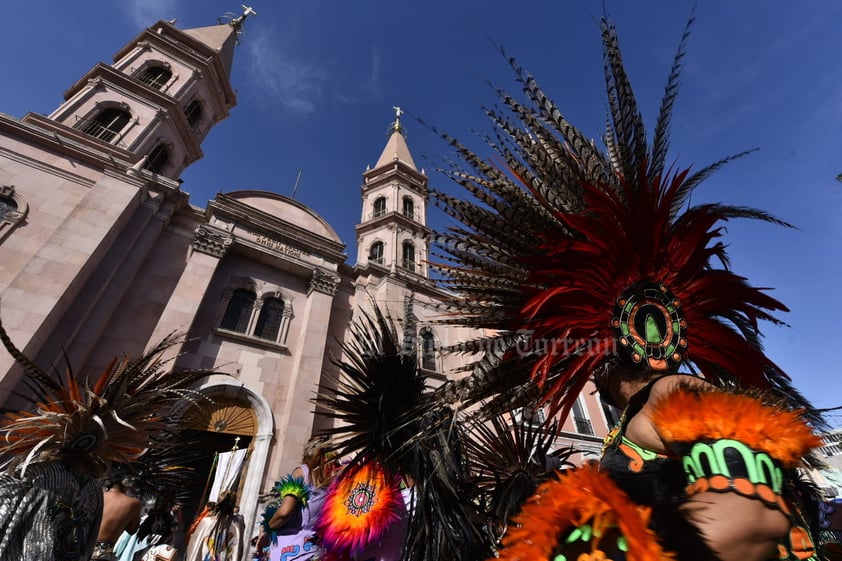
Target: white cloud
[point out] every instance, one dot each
(373, 84)
(297, 86)
(144, 13)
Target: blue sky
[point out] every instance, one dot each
(317, 80)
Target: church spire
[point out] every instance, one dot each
(223, 37)
(396, 149)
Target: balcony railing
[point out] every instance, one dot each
(96, 129)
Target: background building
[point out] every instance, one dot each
(102, 254)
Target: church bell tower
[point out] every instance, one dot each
(392, 234)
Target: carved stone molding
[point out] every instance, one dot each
(13, 209)
(212, 242)
(324, 282)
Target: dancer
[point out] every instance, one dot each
(58, 455)
(120, 513)
(590, 263)
(218, 536)
(421, 482)
(288, 522)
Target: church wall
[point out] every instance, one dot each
(75, 213)
(138, 311)
(273, 371)
(86, 324)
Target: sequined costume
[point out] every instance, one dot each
(50, 514)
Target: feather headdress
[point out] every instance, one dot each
(580, 256)
(115, 419)
(385, 429)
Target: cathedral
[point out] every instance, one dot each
(102, 254)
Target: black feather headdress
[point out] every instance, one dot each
(389, 429)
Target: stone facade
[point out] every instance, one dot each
(101, 253)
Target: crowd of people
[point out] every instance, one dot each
(562, 242)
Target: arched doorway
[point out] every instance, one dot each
(237, 419)
(217, 432)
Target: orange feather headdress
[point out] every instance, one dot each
(116, 419)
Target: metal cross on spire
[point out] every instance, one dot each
(237, 22)
(397, 125)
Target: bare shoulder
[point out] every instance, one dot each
(669, 384)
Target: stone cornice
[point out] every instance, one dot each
(208, 239)
(324, 282)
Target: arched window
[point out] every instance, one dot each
(238, 313)
(408, 208)
(408, 260)
(107, 124)
(155, 76)
(375, 253)
(157, 159)
(530, 415)
(379, 206)
(428, 349)
(270, 318)
(193, 112)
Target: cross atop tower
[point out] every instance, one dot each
(396, 126)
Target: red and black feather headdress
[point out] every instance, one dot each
(579, 256)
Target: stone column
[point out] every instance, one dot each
(295, 421)
(249, 500)
(208, 247)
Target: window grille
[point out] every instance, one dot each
(379, 206)
(193, 112)
(155, 77)
(375, 253)
(238, 312)
(107, 125)
(270, 318)
(428, 349)
(157, 159)
(408, 208)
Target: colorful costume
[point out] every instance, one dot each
(217, 536)
(215, 540)
(391, 432)
(296, 539)
(591, 264)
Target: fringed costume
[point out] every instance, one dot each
(219, 535)
(296, 538)
(422, 482)
(591, 264)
